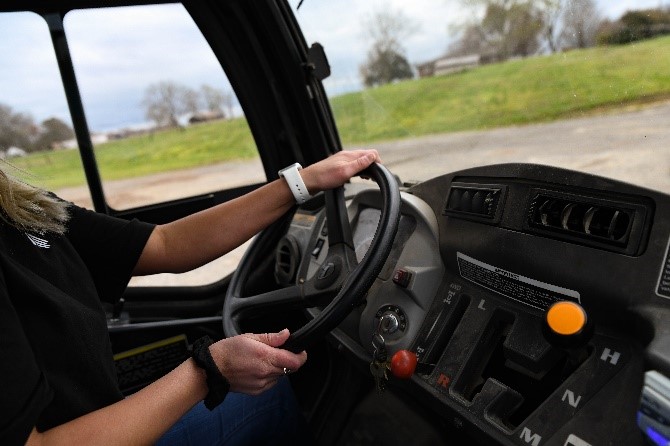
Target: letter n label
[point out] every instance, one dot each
(529, 437)
(571, 398)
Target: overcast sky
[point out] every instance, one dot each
(116, 58)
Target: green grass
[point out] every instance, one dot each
(516, 92)
(161, 151)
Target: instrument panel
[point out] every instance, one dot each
(480, 257)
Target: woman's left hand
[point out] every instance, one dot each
(253, 363)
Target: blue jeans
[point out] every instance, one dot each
(272, 418)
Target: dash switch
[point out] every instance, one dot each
(402, 277)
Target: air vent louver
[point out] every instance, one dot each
(287, 256)
(472, 200)
(583, 217)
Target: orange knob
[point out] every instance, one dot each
(566, 318)
(566, 324)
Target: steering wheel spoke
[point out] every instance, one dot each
(266, 302)
(339, 275)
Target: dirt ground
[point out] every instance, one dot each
(631, 145)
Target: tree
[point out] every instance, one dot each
(166, 100)
(16, 129)
(507, 28)
(581, 21)
(512, 29)
(552, 17)
(19, 130)
(385, 66)
(386, 60)
(52, 131)
(216, 100)
(635, 25)
(213, 98)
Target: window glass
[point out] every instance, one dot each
(165, 121)
(36, 136)
(441, 86)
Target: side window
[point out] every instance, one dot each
(165, 122)
(36, 135)
(163, 118)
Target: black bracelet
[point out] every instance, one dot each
(217, 383)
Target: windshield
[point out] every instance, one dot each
(437, 86)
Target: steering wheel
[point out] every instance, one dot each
(338, 275)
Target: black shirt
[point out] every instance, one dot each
(55, 355)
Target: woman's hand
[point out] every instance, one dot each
(337, 169)
(252, 363)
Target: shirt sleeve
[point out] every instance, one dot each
(25, 392)
(109, 246)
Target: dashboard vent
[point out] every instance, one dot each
(287, 256)
(585, 219)
(476, 201)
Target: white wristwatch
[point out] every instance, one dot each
(295, 183)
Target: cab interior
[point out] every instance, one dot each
(459, 269)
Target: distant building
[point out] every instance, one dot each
(13, 152)
(448, 64)
(204, 116)
(96, 139)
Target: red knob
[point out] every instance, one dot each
(403, 364)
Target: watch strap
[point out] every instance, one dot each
(217, 384)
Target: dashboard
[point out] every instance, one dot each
(479, 258)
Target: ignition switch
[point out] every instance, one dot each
(392, 319)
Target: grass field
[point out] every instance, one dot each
(516, 92)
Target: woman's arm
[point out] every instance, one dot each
(251, 363)
(194, 240)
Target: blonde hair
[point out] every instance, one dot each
(30, 209)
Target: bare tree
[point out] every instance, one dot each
(470, 42)
(552, 16)
(386, 60)
(581, 20)
(191, 101)
(228, 104)
(512, 29)
(507, 28)
(217, 100)
(16, 129)
(166, 100)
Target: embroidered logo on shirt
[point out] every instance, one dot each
(39, 242)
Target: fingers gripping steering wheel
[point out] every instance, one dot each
(344, 278)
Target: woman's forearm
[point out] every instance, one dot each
(197, 239)
(202, 237)
(140, 419)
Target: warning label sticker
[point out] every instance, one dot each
(142, 365)
(528, 291)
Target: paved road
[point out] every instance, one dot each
(630, 145)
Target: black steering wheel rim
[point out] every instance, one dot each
(354, 286)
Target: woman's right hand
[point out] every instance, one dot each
(253, 363)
